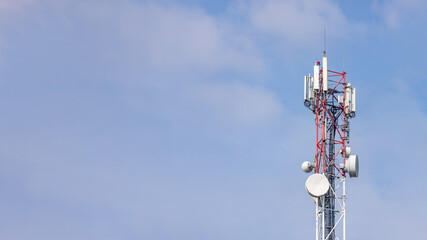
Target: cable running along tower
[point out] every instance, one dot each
(333, 102)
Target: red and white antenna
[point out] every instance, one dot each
(333, 102)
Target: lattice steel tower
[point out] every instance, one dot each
(333, 102)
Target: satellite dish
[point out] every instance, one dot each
(317, 185)
(347, 151)
(352, 166)
(307, 166)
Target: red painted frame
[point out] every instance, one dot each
(323, 112)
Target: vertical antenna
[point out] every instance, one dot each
(343, 63)
(324, 40)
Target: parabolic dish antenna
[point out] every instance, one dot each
(352, 166)
(317, 185)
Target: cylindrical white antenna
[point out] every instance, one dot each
(316, 76)
(353, 99)
(325, 72)
(310, 92)
(309, 86)
(305, 87)
(347, 97)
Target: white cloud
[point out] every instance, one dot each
(10, 5)
(392, 129)
(175, 39)
(381, 217)
(175, 54)
(395, 12)
(241, 104)
(299, 22)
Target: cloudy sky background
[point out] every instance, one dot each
(185, 119)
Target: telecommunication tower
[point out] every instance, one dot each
(333, 102)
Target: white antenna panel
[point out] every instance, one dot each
(347, 98)
(311, 88)
(340, 99)
(353, 99)
(316, 77)
(325, 74)
(305, 87)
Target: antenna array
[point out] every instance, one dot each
(333, 103)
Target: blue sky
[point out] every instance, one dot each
(185, 119)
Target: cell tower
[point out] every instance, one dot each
(333, 102)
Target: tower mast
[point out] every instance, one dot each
(333, 102)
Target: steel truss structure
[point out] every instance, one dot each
(329, 97)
